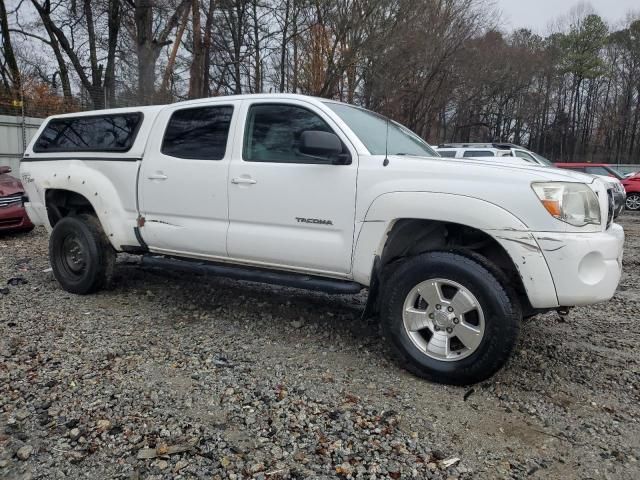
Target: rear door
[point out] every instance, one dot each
(183, 180)
(285, 208)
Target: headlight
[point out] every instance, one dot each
(573, 203)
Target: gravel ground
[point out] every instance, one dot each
(174, 376)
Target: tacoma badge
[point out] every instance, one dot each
(314, 220)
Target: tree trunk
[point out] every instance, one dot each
(113, 26)
(9, 55)
(206, 80)
(257, 82)
(145, 49)
(197, 62)
(283, 47)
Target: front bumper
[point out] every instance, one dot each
(585, 267)
(14, 218)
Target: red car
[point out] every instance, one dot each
(13, 216)
(632, 186)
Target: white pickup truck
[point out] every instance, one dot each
(318, 194)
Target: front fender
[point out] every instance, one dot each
(508, 230)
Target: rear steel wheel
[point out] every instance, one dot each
(81, 256)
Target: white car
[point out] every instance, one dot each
(317, 194)
(489, 151)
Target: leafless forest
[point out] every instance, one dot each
(447, 69)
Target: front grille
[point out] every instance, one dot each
(10, 200)
(611, 207)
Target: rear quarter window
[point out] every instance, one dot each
(96, 133)
(447, 153)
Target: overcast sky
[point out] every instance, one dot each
(537, 14)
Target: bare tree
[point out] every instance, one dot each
(149, 45)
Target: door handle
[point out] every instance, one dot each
(243, 180)
(157, 176)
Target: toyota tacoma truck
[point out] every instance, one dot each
(317, 194)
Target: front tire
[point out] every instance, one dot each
(81, 256)
(633, 202)
(450, 318)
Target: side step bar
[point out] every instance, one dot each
(287, 279)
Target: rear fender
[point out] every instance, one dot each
(96, 181)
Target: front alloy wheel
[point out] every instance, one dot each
(443, 319)
(450, 317)
(633, 201)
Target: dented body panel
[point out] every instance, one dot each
(109, 186)
(514, 236)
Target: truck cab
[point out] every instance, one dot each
(315, 193)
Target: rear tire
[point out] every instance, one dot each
(449, 317)
(81, 256)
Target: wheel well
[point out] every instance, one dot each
(411, 237)
(62, 203)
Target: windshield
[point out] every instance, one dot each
(616, 173)
(371, 129)
(542, 160)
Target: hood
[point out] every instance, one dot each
(505, 185)
(633, 178)
(9, 185)
(534, 172)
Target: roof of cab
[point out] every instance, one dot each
(154, 109)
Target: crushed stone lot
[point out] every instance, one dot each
(171, 375)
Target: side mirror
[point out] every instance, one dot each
(318, 143)
(5, 169)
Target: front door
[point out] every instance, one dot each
(183, 181)
(288, 209)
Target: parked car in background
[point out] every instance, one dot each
(593, 169)
(484, 150)
(627, 170)
(611, 176)
(13, 216)
(632, 187)
(468, 150)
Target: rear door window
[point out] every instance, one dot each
(198, 133)
(478, 153)
(95, 133)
